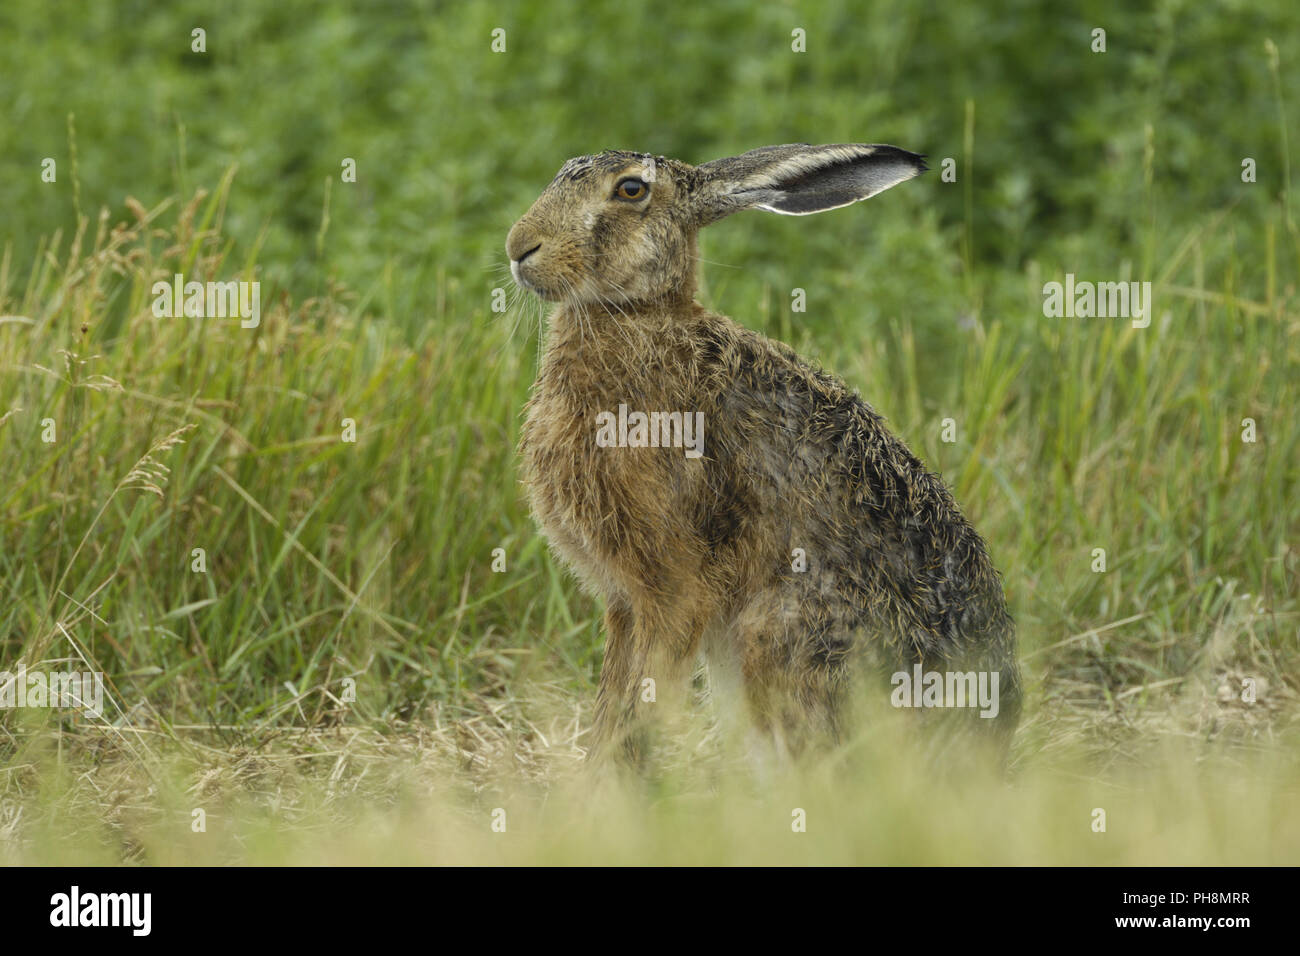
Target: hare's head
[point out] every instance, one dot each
(620, 227)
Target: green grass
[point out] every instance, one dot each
(372, 560)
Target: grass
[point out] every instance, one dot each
(328, 560)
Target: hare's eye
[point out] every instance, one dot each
(631, 188)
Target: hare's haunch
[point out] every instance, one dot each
(720, 493)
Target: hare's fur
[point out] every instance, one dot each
(700, 552)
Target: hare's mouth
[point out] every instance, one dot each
(539, 289)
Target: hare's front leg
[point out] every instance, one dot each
(650, 645)
(617, 682)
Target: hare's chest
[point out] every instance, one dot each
(604, 500)
(570, 485)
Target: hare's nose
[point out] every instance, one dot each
(522, 242)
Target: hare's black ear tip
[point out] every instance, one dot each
(882, 152)
(915, 160)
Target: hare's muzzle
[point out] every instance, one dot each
(525, 254)
(516, 269)
(520, 245)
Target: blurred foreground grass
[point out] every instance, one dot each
(491, 792)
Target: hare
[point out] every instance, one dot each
(718, 492)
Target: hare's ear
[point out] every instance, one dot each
(797, 180)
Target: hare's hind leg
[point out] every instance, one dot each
(795, 668)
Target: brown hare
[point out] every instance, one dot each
(720, 493)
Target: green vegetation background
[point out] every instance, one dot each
(373, 560)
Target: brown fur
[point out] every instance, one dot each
(691, 553)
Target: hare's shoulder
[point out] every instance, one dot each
(764, 378)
